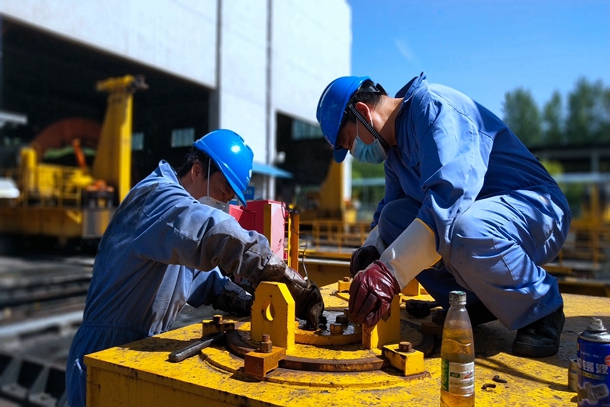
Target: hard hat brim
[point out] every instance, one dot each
(339, 154)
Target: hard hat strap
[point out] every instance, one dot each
(370, 128)
(208, 180)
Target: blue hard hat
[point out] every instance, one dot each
(332, 108)
(231, 155)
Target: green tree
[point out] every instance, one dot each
(553, 121)
(366, 170)
(606, 114)
(523, 116)
(369, 196)
(588, 113)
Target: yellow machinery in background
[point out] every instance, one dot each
(76, 202)
(329, 201)
(333, 221)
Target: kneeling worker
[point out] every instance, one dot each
(160, 244)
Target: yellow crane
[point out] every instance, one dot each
(76, 202)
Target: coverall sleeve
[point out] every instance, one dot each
(173, 228)
(453, 158)
(206, 285)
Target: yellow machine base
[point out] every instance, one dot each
(139, 373)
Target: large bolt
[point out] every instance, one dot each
(266, 344)
(217, 319)
(346, 279)
(405, 347)
(336, 329)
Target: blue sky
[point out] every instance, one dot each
(483, 48)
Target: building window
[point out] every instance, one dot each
(305, 131)
(183, 137)
(137, 141)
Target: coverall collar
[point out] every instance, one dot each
(409, 89)
(166, 171)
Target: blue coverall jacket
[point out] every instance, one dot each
(497, 214)
(148, 265)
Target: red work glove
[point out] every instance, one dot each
(361, 258)
(371, 294)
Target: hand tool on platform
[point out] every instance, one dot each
(193, 348)
(213, 333)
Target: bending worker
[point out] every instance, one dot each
(149, 258)
(466, 207)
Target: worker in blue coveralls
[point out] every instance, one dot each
(466, 207)
(161, 245)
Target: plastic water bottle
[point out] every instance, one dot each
(457, 355)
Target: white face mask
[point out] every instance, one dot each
(214, 203)
(373, 153)
(209, 201)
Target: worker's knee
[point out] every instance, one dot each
(471, 238)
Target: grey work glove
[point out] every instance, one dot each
(362, 257)
(234, 299)
(309, 304)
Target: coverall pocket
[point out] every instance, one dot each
(536, 206)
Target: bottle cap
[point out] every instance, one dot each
(457, 297)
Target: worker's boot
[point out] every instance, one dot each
(479, 314)
(540, 339)
(234, 299)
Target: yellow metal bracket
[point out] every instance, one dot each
(413, 289)
(259, 363)
(387, 330)
(344, 285)
(273, 313)
(403, 357)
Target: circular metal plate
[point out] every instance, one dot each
(323, 351)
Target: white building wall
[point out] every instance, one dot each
(177, 36)
(243, 64)
(312, 43)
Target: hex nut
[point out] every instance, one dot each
(405, 346)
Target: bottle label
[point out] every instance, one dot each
(457, 378)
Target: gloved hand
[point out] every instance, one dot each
(309, 304)
(361, 258)
(371, 293)
(234, 299)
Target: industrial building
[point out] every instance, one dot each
(255, 67)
